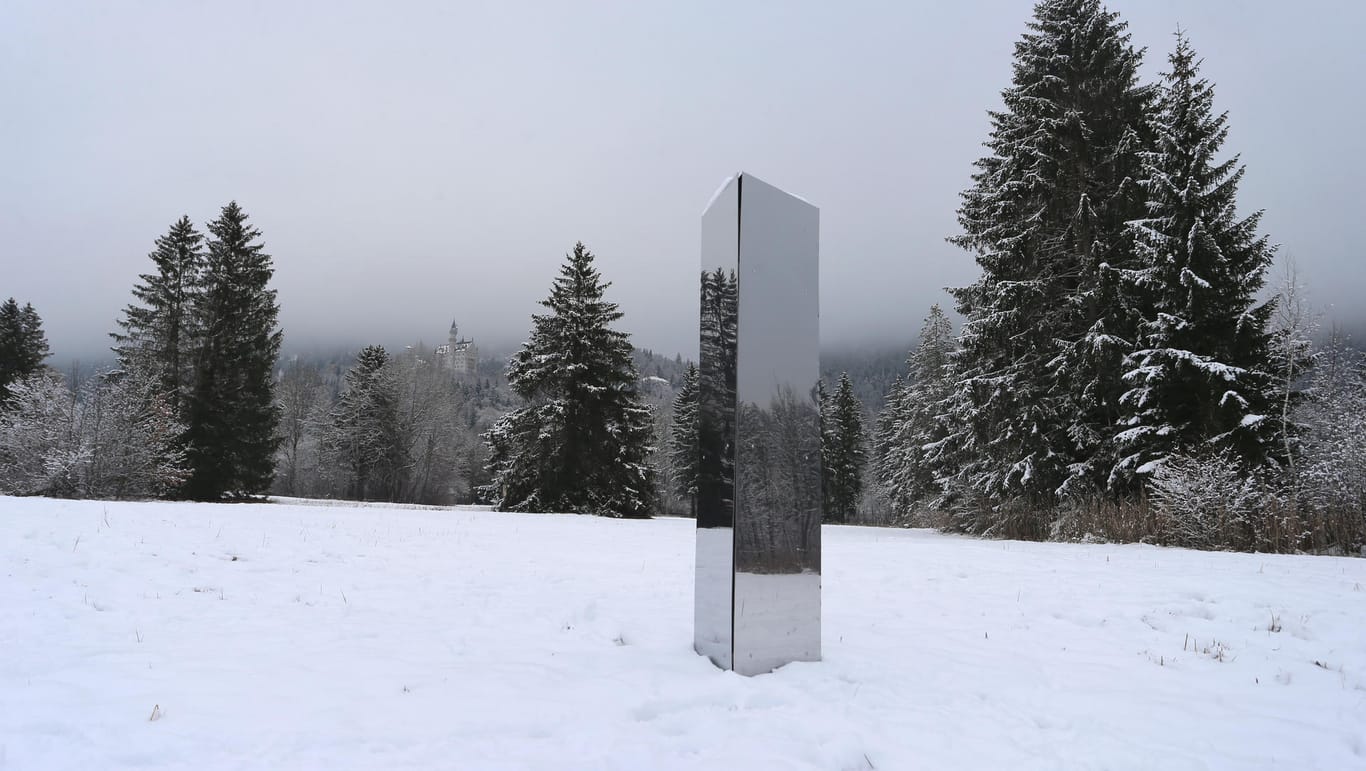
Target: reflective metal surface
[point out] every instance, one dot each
(758, 516)
(713, 600)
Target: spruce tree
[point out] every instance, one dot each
(683, 447)
(847, 453)
(908, 468)
(1043, 336)
(582, 441)
(1199, 377)
(157, 333)
(365, 441)
(23, 345)
(825, 410)
(884, 430)
(232, 416)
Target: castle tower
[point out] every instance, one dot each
(459, 356)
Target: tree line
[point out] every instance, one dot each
(196, 409)
(1119, 371)
(189, 409)
(381, 426)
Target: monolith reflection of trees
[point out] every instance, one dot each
(716, 400)
(778, 486)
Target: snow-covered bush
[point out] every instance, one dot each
(117, 439)
(130, 438)
(1213, 501)
(39, 450)
(1330, 472)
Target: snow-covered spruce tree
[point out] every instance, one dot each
(1198, 377)
(157, 331)
(1043, 337)
(23, 346)
(232, 416)
(683, 449)
(884, 426)
(884, 436)
(847, 453)
(914, 419)
(825, 409)
(581, 443)
(365, 444)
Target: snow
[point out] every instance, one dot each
(306, 637)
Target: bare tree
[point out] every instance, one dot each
(303, 410)
(1292, 329)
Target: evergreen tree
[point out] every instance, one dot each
(915, 426)
(582, 441)
(846, 453)
(232, 416)
(1043, 336)
(23, 345)
(1198, 379)
(158, 332)
(825, 411)
(884, 430)
(683, 447)
(365, 441)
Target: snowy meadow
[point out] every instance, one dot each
(213, 636)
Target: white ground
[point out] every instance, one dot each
(293, 637)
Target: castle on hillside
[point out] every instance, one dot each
(459, 356)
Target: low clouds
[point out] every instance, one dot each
(413, 165)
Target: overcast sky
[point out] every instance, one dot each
(410, 163)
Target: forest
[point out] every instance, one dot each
(1135, 361)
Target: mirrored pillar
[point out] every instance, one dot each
(757, 601)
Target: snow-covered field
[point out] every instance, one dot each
(301, 637)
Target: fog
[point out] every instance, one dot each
(417, 163)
